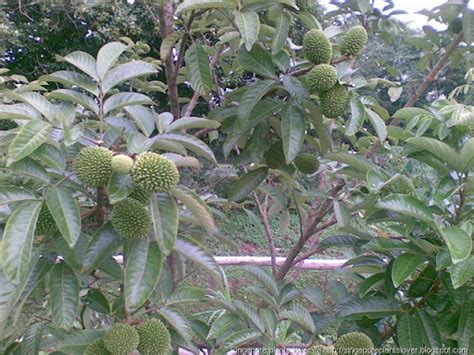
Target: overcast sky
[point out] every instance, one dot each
(412, 6)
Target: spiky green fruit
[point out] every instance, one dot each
(154, 173)
(455, 26)
(334, 101)
(307, 163)
(6, 125)
(321, 78)
(316, 47)
(131, 219)
(122, 339)
(274, 156)
(45, 222)
(353, 343)
(321, 350)
(354, 41)
(154, 338)
(96, 348)
(93, 165)
(122, 164)
(141, 196)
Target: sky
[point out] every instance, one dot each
(412, 6)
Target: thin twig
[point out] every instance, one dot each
(432, 75)
(304, 71)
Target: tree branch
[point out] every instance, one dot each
(166, 22)
(432, 75)
(263, 211)
(315, 217)
(335, 61)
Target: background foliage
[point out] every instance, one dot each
(210, 85)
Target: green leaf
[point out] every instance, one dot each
(177, 322)
(410, 113)
(409, 332)
(72, 78)
(295, 88)
(239, 338)
(407, 205)
(16, 112)
(64, 295)
(252, 96)
(50, 156)
(459, 243)
(165, 217)
(66, 213)
(423, 282)
(355, 161)
(30, 137)
(169, 42)
(78, 340)
(142, 272)
(248, 25)
(468, 24)
(370, 283)
(84, 62)
(292, 131)
(122, 99)
(8, 297)
(466, 156)
(257, 61)
(29, 168)
(127, 71)
(300, 316)
(462, 272)
(17, 241)
(281, 33)
(143, 117)
(195, 252)
(11, 194)
(404, 266)
(185, 295)
(264, 277)
(192, 122)
(189, 5)
(102, 245)
(107, 56)
(372, 308)
(31, 340)
(431, 332)
(466, 323)
(197, 65)
(358, 116)
(191, 143)
(96, 301)
(440, 150)
(247, 183)
(69, 255)
(221, 325)
(378, 123)
(119, 187)
(196, 206)
(37, 101)
(249, 312)
(76, 98)
(308, 19)
(445, 189)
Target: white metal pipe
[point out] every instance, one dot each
(308, 264)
